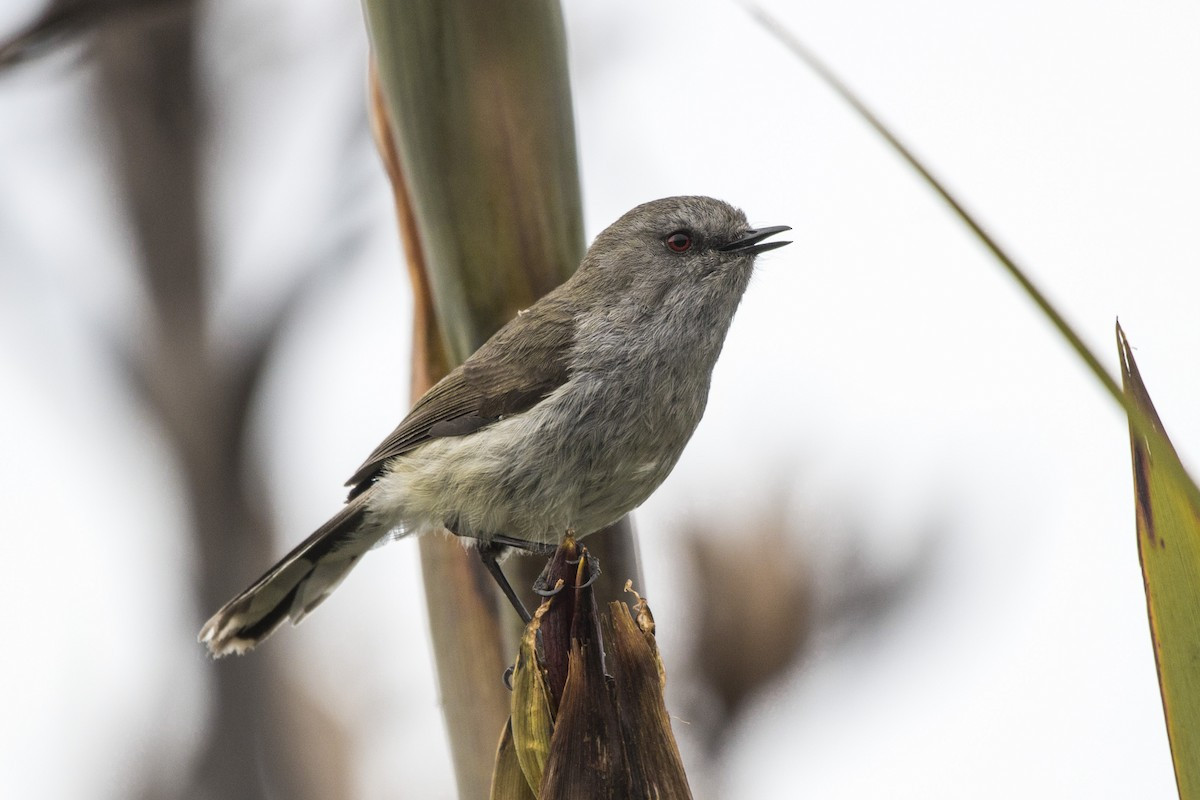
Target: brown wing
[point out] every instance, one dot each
(524, 362)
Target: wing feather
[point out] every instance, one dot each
(513, 371)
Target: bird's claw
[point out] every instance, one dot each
(593, 573)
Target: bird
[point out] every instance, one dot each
(565, 420)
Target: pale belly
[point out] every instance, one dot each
(568, 464)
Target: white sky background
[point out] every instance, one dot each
(882, 368)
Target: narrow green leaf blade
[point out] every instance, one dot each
(1168, 531)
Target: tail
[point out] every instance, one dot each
(294, 586)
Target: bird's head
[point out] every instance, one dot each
(679, 242)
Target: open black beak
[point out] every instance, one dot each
(749, 245)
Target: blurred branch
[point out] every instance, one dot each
(148, 82)
(784, 600)
(63, 20)
(863, 595)
(148, 86)
(753, 603)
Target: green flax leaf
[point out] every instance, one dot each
(1168, 533)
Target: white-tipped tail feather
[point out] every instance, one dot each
(294, 586)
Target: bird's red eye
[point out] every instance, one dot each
(680, 241)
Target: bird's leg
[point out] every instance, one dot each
(487, 554)
(533, 548)
(495, 544)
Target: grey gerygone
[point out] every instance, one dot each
(565, 420)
